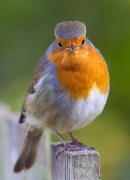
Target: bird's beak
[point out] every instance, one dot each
(71, 47)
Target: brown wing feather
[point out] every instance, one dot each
(36, 76)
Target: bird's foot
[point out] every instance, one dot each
(75, 145)
(72, 146)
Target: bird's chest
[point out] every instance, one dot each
(76, 84)
(79, 82)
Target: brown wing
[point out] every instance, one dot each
(36, 76)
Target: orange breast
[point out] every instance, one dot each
(80, 70)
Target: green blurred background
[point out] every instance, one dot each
(26, 30)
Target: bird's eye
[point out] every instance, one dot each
(59, 44)
(83, 41)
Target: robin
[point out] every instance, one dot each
(69, 89)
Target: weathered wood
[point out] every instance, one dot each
(12, 137)
(75, 165)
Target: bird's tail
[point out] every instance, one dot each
(28, 152)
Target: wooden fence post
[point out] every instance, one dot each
(75, 165)
(12, 137)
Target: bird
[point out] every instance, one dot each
(69, 89)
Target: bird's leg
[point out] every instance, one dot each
(74, 140)
(61, 147)
(66, 146)
(75, 145)
(78, 144)
(61, 138)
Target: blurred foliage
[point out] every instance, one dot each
(26, 30)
